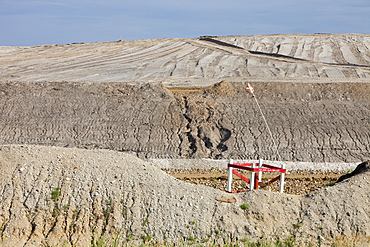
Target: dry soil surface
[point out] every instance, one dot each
(202, 61)
(164, 98)
(296, 182)
(54, 196)
(311, 122)
(106, 114)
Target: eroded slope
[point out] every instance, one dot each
(201, 61)
(324, 122)
(66, 196)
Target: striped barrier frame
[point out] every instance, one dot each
(254, 168)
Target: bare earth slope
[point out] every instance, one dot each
(65, 196)
(204, 60)
(132, 96)
(179, 99)
(313, 122)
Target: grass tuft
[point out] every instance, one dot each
(55, 194)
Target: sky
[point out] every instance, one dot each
(38, 22)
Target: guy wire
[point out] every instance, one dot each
(268, 128)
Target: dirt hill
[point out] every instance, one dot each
(205, 60)
(311, 122)
(78, 120)
(66, 196)
(160, 98)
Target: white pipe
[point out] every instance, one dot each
(252, 178)
(260, 162)
(229, 176)
(282, 176)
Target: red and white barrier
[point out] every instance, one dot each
(254, 168)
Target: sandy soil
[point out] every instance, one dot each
(86, 129)
(57, 196)
(202, 61)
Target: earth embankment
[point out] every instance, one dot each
(321, 122)
(66, 196)
(297, 57)
(97, 109)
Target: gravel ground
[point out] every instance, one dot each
(301, 177)
(297, 182)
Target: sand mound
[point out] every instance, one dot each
(55, 196)
(195, 61)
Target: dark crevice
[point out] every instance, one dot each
(222, 147)
(191, 138)
(33, 228)
(278, 48)
(349, 64)
(225, 135)
(207, 142)
(276, 55)
(219, 42)
(192, 146)
(171, 73)
(300, 59)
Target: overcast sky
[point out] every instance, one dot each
(37, 22)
